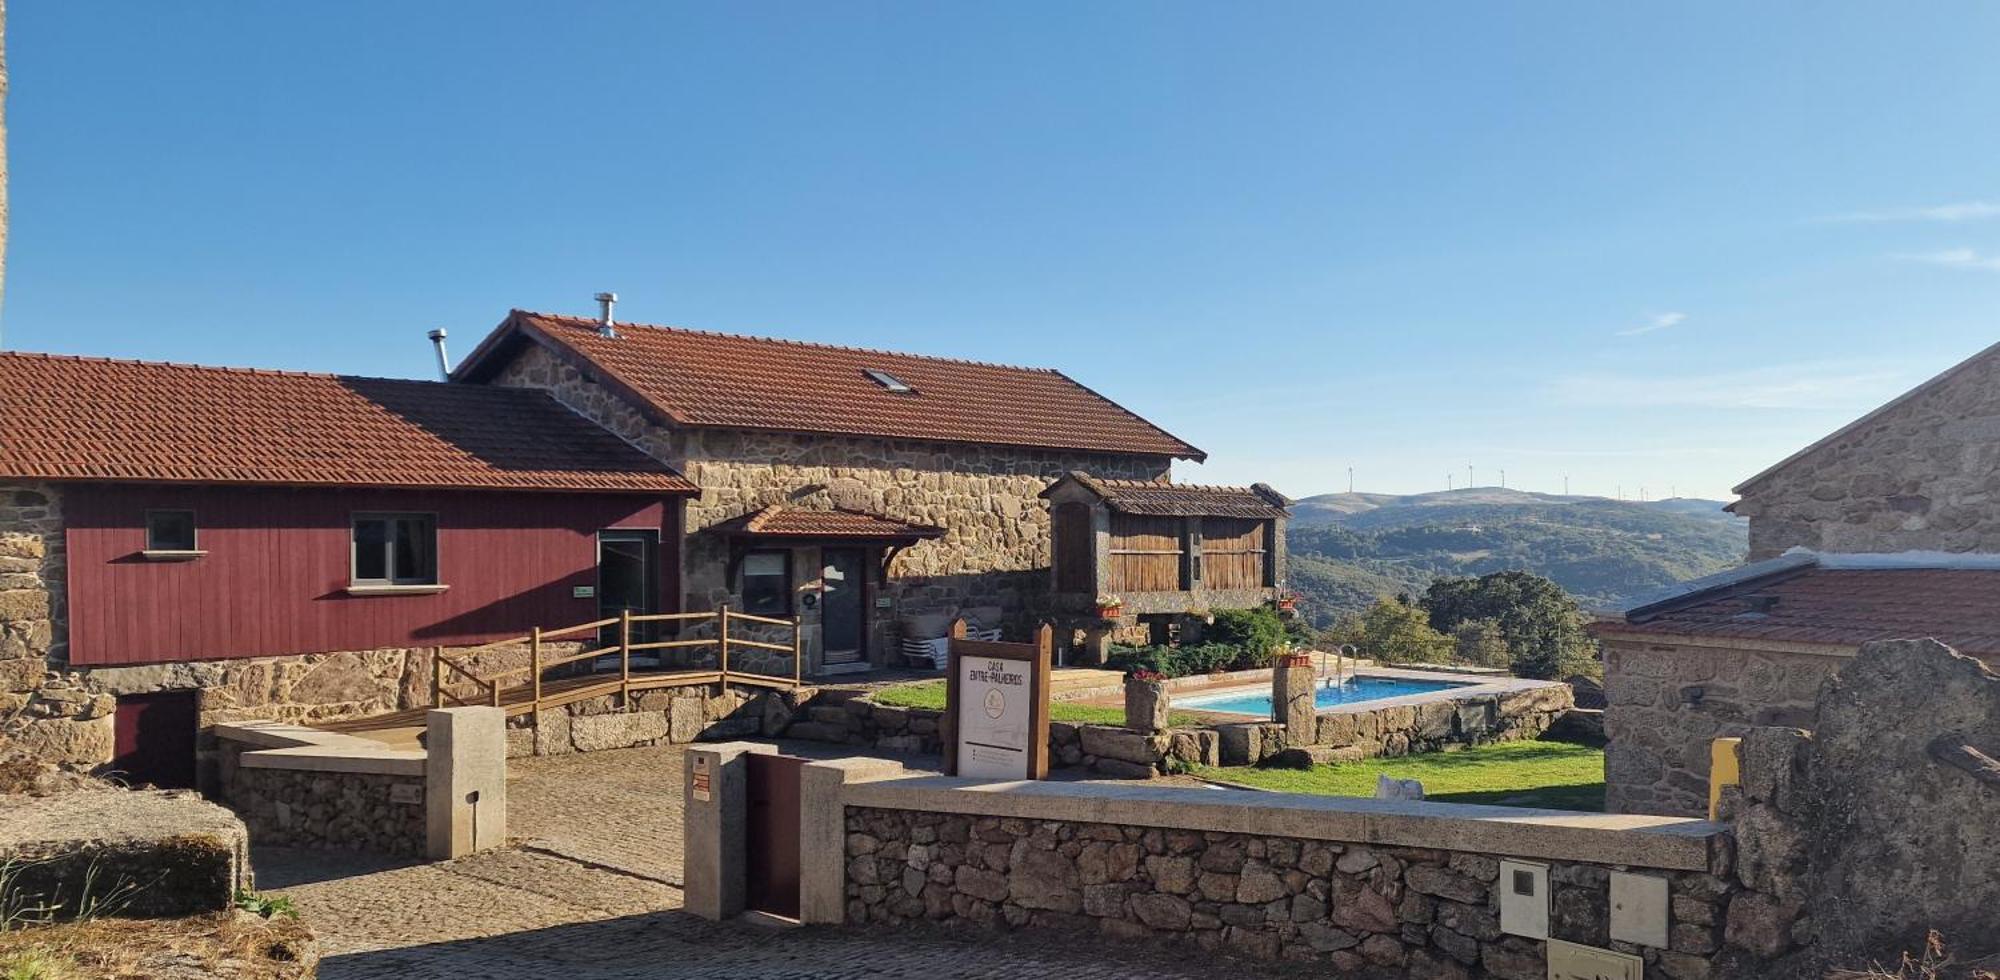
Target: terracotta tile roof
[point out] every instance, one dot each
(779, 521)
(1838, 606)
(698, 379)
(77, 418)
(1181, 499)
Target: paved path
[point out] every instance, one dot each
(591, 892)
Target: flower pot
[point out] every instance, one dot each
(1296, 660)
(1107, 612)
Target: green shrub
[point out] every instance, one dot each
(1257, 632)
(1181, 661)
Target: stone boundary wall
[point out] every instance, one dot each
(1669, 700)
(302, 787)
(106, 851)
(362, 811)
(1369, 888)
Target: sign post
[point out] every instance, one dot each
(996, 709)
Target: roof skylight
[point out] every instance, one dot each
(889, 381)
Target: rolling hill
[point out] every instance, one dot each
(1349, 548)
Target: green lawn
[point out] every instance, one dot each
(1556, 775)
(930, 694)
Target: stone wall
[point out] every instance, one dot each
(996, 547)
(337, 810)
(1360, 909)
(43, 710)
(98, 850)
(1668, 701)
(1921, 476)
(666, 716)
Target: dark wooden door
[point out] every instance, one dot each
(772, 834)
(843, 616)
(628, 573)
(154, 737)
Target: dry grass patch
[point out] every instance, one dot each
(225, 946)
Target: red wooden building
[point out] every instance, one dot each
(204, 516)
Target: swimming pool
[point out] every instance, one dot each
(1357, 689)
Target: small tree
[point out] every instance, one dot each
(1481, 642)
(1542, 625)
(1400, 633)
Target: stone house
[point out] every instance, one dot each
(182, 546)
(185, 545)
(873, 494)
(1920, 473)
(1751, 647)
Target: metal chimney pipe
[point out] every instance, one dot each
(444, 360)
(606, 326)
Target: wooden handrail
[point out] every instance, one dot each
(489, 690)
(579, 628)
(758, 619)
(761, 645)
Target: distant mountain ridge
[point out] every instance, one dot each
(1347, 549)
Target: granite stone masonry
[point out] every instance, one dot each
(341, 811)
(1919, 474)
(1668, 701)
(664, 716)
(996, 547)
(44, 711)
(1363, 910)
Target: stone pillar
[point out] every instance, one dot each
(823, 833)
(1147, 705)
(465, 781)
(1292, 699)
(714, 789)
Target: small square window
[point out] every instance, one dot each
(395, 549)
(170, 530)
(767, 583)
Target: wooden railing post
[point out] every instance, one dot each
(437, 677)
(535, 672)
(722, 643)
(625, 659)
(798, 654)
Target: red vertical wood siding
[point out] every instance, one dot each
(276, 574)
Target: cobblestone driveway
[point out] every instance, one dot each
(592, 893)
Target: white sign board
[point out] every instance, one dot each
(993, 718)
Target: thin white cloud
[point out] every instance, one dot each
(1658, 321)
(1955, 258)
(1961, 211)
(1822, 384)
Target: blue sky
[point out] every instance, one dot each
(1653, 246)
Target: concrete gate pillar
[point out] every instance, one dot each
(716, 813)
(465, 781)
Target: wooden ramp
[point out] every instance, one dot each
(521, 700)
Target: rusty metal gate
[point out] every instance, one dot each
(772, 834)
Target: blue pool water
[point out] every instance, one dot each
(1258, 702)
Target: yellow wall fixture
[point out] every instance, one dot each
(1723, 770)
